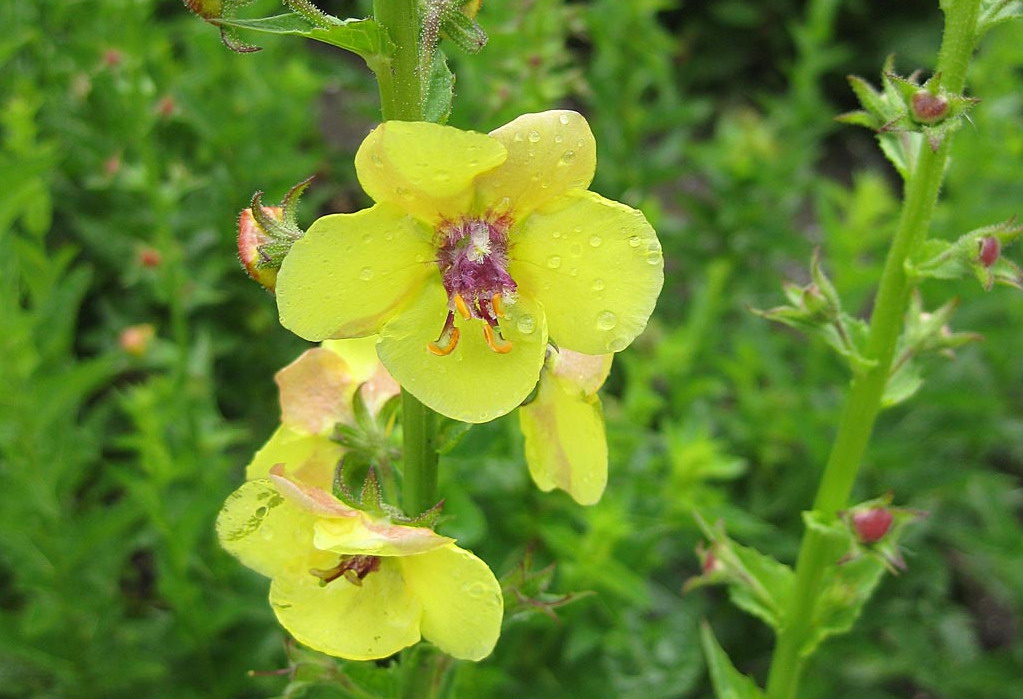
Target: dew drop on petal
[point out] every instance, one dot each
(366, 274)
(574, 272)
(367, 239)
(558, 138)
(634, 241)
(534, 136)
(554, 261)
(526, 324)
(518, 137)
(568, 156)
(377, 160)
(617, 344)
(556, 234)
(563, 119)
(606, 320)
(595, 241)
(598, 284)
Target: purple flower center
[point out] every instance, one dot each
(472, 256)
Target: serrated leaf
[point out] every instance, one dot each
(360, 36)
(846, 589)
(767, 586)
(439, 90)
(728, 682)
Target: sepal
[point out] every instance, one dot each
(977, 253)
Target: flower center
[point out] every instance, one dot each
(354, 569)
(472, 255)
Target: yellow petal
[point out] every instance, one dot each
(358, 622)
(595, 265)
(374, 538)
(316, 391)
(351, 272)
(462, 601)
(566, 446)
(473, 383)
(425, 169)
(360, 354)
(311, 459)
(316, 501)
(549, 154)
(587, 372)
(263, 529)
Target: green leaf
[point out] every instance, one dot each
(847, 587)
(361, 36)
(440, 89)
(728, 682)
(994, 12)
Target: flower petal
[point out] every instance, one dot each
(425, 169)
(263, 529)
(462, 601)
(549, 154)
(586, 372)
(316, 391)
(595, 265)
(473, 383)
(310, 499)
(310, 458)
(359, 353)
(351, 272)
(566, 446)
(374, 538)
(358, 622)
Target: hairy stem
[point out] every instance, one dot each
(864, 400)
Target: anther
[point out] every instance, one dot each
(495, 341)
(448, 339)
(498, 305)
(463, 309)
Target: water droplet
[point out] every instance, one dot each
(568, 156)
(617, 344)
(518, 137)
(595, 241)
(526, 324)
(558, 138)
(377, 160)
(606, 320)
(655, 258)
(634, 241)
(554, 261)
(563, 119)
(367, 239)
(580, 143)
(598, 284)
(366, 274)
(534, 136)
(556, 234)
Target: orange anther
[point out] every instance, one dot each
(452, 342)
(492, 341)
(498, 305)
(462, 307)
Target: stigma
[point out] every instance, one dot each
(472, 256)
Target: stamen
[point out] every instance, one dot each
(498, 305)
(354, 569)
(462, 307)
(448, 339)
(495, 341)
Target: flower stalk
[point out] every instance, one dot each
(864, 401)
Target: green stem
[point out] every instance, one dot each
(419, 483)
(401, 92)
(864, 401)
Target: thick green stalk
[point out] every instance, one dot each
(401, 93)
(401, 98)
(864, 401)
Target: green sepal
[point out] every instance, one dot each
(941, 259)
(757, 583)
(439, 90)
(525, 590)
(463, 31)
(728, 682)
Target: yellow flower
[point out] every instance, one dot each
(566, 446)
(356, 587)
(479, 248)
(316, 394)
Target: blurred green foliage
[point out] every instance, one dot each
(126, 129)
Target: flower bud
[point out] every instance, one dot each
(135, 339)
(872, 525)
(928, 108)
(150, 257)
(207, 9)
(990, 250)
(252, 239)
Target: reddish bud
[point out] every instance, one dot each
(871, 525)
(251, 237)
(135, 339)
(150, 257)
(112, 58)
(990, 250)
(166, 106)
(207, 9)
(112, 165)
(927, 108)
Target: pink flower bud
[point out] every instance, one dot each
(135, 339)
(150, 257)
(990, 249)
(871, 525)
(251, 237)
(927, 108)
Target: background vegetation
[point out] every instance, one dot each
(129, 133)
